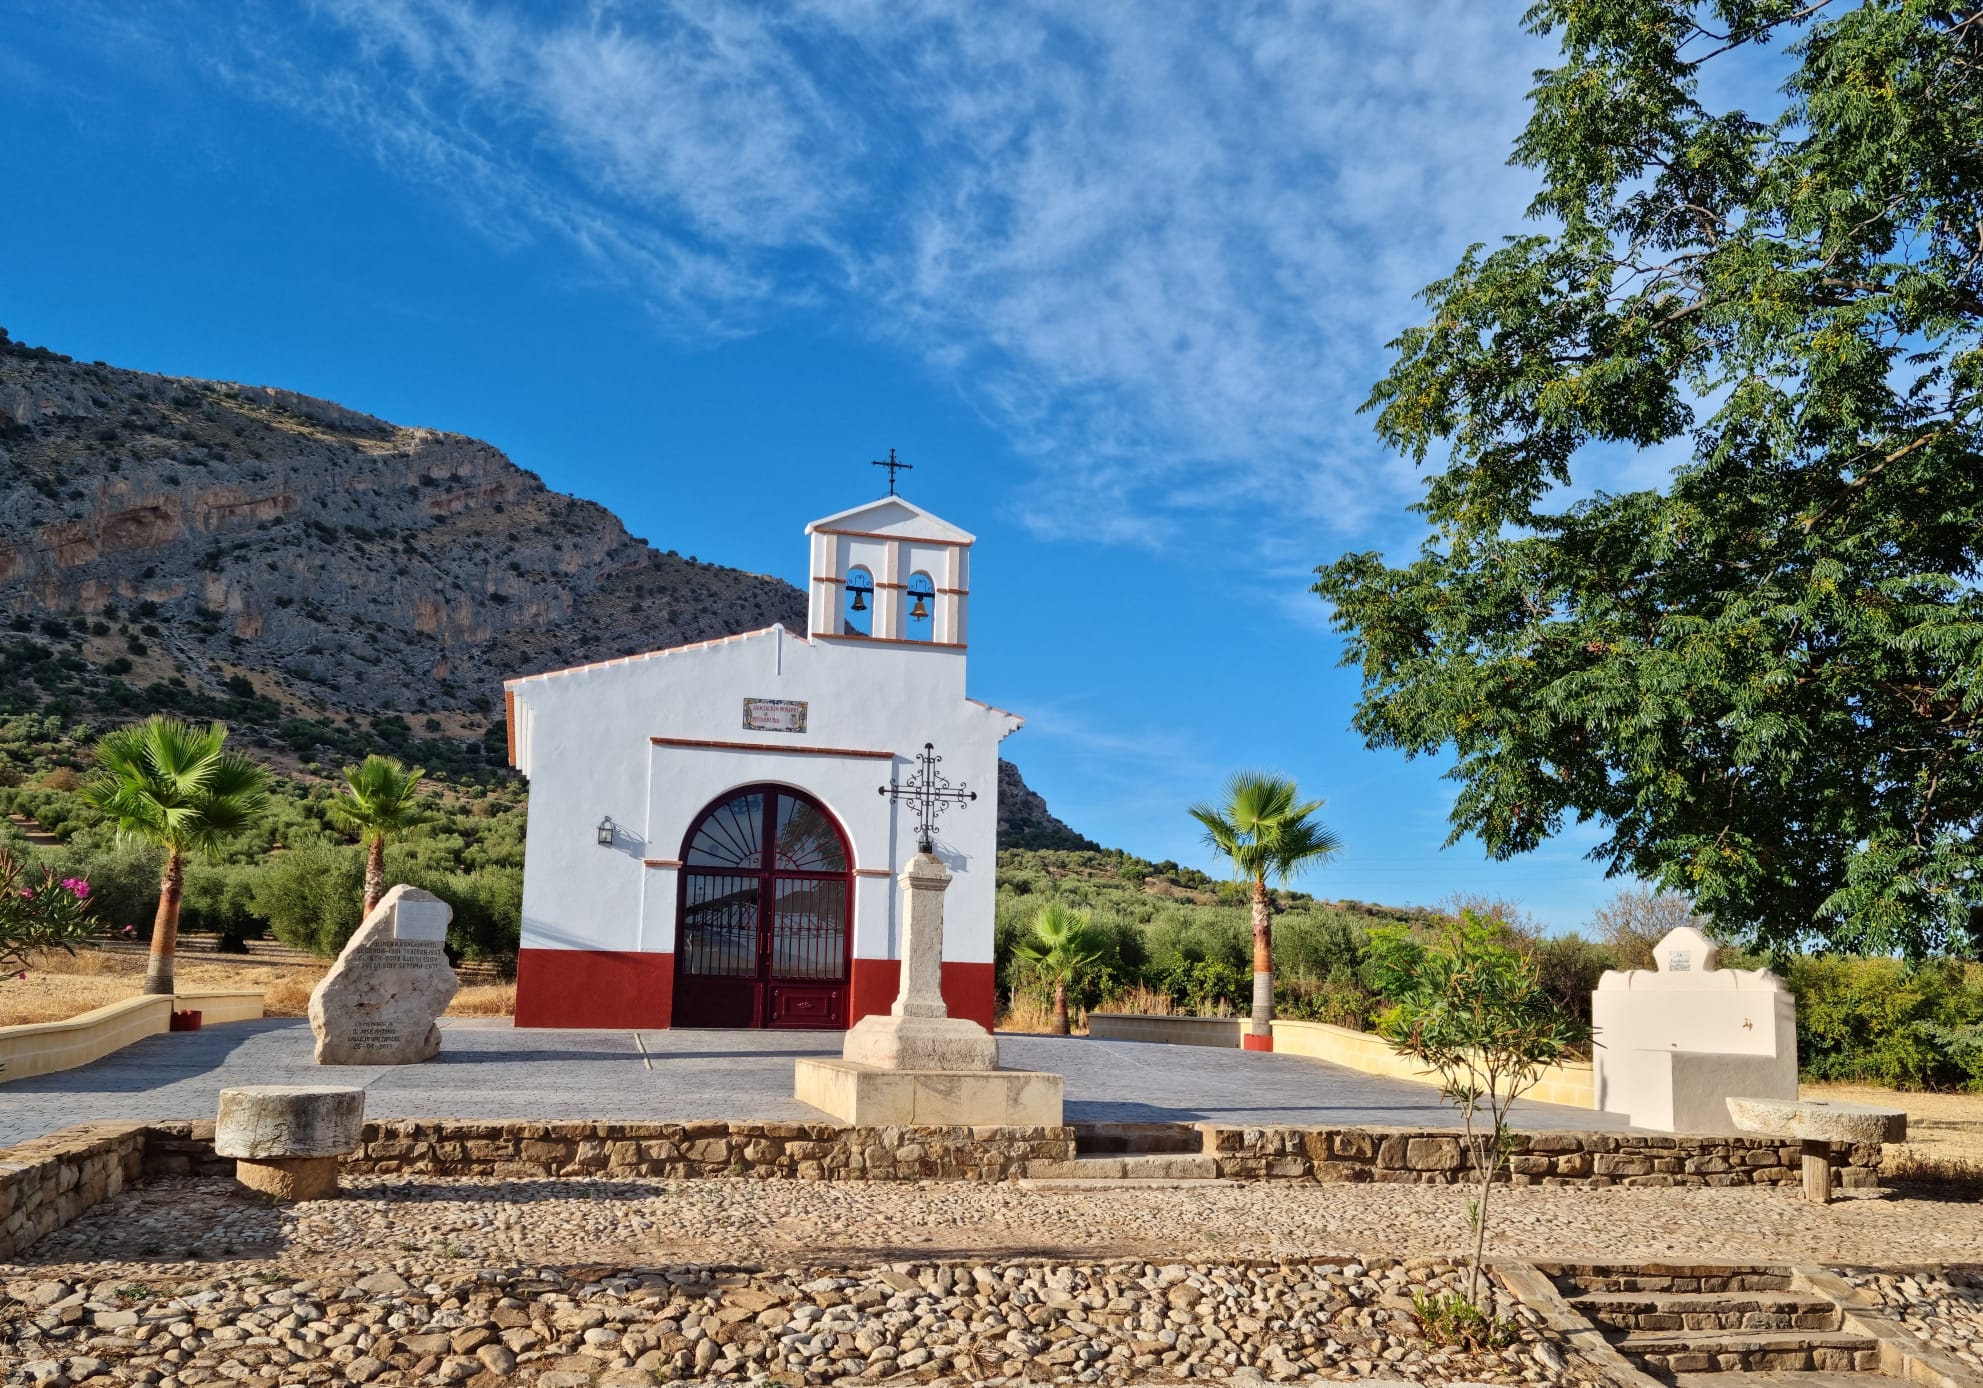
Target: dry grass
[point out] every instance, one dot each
(60, 985)
(1142, 1001)
(484, 1000)
(1035, 1016)
(1944, 1131)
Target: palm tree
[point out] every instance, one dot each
(1062, 948)
(1266, 832)
(169, 785)
(381, 801)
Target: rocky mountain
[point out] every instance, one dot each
(319, 577)
(1024, 821)
(333, 559)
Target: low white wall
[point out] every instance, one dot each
(222, 1005)
(1174, 1031)
(1366, 1051)
(42, 1048)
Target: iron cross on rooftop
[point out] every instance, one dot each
(893, 468)
(928, 793)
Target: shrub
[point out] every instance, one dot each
(311, 896)
(1886, 1021)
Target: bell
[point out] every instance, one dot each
(921, 611)
(860, 600)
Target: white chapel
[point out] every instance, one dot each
(710, 841)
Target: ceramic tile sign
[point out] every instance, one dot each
(775, 715)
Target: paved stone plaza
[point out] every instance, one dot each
(488, 1069)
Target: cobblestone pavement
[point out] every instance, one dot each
(908, 1322)
(492, 1222)
(1944, 1308)
(489, 1069)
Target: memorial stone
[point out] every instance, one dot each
(381, 1000)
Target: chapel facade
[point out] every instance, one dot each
(710, 842)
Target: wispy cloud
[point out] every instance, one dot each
(1160, 250)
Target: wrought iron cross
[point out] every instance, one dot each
(929, 793)
(893, 468)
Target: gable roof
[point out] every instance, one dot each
(894, 516)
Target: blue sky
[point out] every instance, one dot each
(1113, 277)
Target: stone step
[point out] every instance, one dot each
(1147, 1167)
(1788, 1378)
(1576, 1278)
(1770, 1310)
(1701, 1351)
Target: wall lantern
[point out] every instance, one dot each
(606, 832)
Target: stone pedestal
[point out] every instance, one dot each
(286, 1140)
(918, 1064)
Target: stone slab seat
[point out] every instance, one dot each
(1817, 1123)
(1818, 1120)
(286, 1139)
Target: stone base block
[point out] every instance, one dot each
(920, 1043)
(870, 1097)
(290, 1178)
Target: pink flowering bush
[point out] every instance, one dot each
(39, 911)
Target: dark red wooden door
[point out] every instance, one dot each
(766, 915)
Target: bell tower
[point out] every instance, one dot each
(891, 572)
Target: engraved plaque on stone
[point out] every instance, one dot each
(421, 920)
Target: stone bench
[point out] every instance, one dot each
(1818, 1123)
(286, 1139)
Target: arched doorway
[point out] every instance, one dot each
(766, 914)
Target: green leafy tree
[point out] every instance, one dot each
(305, 896)
(381, 800)
(1061, 948)
(1471, 1008)
(167, 784)
(40, 910)
(1264, 830)
(1764, 679)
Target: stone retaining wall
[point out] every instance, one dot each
(48, 1182)
(828, 1152)
(1548, 1159)
(802, 1151)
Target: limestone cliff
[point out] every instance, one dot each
(335, 560)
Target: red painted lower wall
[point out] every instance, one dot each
(967, 989)
(628, 988)
(594, 988)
